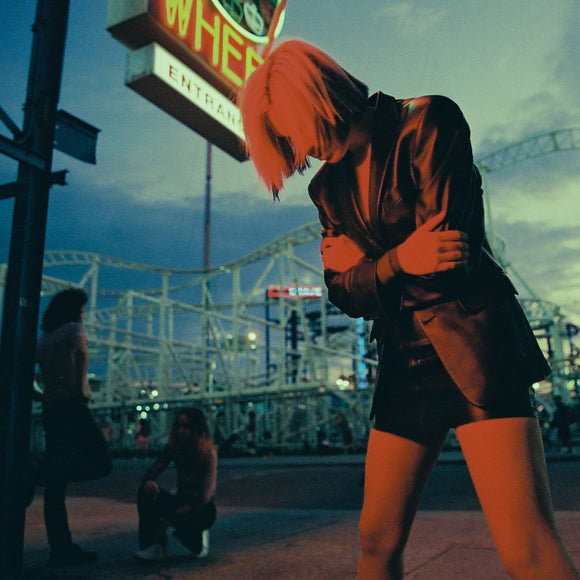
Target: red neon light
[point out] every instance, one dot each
(295, 292)
(223, 38)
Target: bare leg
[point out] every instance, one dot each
(506, 461)
(396, 473)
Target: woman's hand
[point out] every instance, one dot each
(151, 489)
(340, 253)
(427, 251)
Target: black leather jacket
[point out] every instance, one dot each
(421, 164)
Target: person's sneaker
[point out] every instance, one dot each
(154, 553)
(204, 544)
(74, 555)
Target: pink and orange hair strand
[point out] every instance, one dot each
(289, 105)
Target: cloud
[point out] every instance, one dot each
(547, 257)
(554, 104)
(565, 58)
(245, 224)
(541, 190)
(411, 18)
(164, 233)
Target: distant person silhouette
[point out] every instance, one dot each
(251, 433)
(562, 419)
(75, 447)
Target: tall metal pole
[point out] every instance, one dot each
(207, 221)
(22, 298)
(205, 329)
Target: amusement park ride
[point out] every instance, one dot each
(256, 335)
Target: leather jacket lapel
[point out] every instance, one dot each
(338, 182)
(343, 186)
(385, 130)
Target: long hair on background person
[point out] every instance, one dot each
(314, 97)
(197, 441)
(66, 306)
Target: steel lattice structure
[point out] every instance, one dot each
(544, 316)
(217, 339)
(537, 146)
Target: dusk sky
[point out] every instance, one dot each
(512, 66)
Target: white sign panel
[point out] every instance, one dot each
(170, 84)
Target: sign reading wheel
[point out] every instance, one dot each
(190, 57)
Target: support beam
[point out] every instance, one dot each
(22, 297)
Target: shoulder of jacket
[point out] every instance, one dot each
(420, 104)
(434, 107)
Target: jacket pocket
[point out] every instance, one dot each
(478, 302)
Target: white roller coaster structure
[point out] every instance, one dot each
(216, 338)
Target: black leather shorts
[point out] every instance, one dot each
(422, 402)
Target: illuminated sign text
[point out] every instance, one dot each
(167, 82)
(294, 292)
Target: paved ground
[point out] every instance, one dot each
(286, 518)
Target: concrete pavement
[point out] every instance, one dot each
(254, 543)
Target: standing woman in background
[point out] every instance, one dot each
(400, 203)
(191, 511)
(75, 447)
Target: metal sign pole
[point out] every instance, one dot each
(207, 222)
(22, 299)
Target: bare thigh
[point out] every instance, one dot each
(396, 473)
(506, 461)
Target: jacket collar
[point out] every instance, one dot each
(385, 130)
(333, 184)
(386, 120)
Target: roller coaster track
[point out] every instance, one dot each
(133, 337)
(530, 148)
(542, 315)
(301, 235)
(542, 144)
(134, 332)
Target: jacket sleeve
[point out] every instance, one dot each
(443, 178)
(446, 179)
(355, 291)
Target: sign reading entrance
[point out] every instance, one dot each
(168, 83)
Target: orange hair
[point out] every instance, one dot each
(289, 105)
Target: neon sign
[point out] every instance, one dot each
(227, 38)
(294, 292)
(220, 42)
(250, 20)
